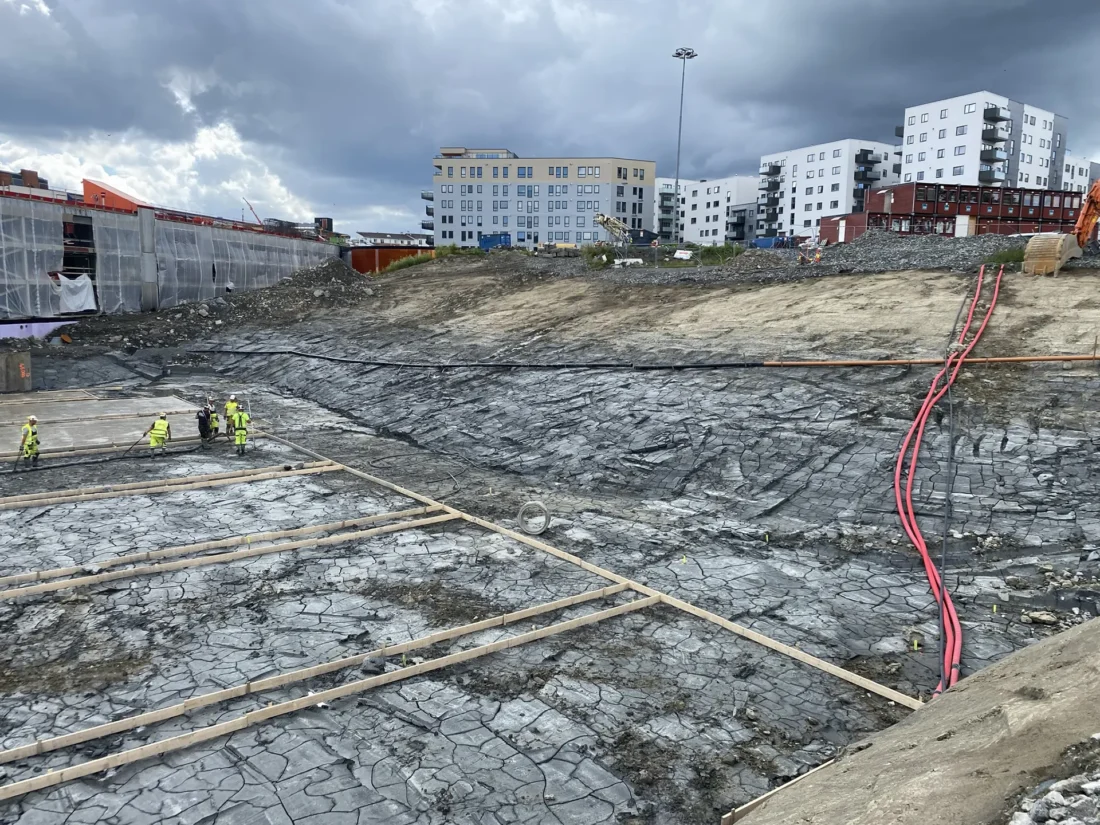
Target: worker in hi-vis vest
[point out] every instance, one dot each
(28, 444)
(240, 420)
(160, 433)
(231, 407)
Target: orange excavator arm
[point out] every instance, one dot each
(1090, 214)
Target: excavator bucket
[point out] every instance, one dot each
(1047, 253)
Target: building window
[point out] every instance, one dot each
(834, 204)
(960, 150)
(809, 206)
(693, 220)
(960, 130)
(810, 157)
(910, 138)
(820, 189)
(958, 170)
(970, 108)
(835, 187)
(836, 170)
(819, 207)
(806, 223)
(908, 158)
(450, 171)
(821, 156)
(943, 114)
(506, 174)
(942, 134)
(809, 190)
(908, 177)
(836, 153)
(920, 175)
(810, 174)
(924, 137)
(939, 153)
(924, 117)
(921, 157)
(939, 173)
(912, 120)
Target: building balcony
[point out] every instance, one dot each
(770, 201)
(771, 215)
(738, 219)
(429, 211)
(996, 114)
(769, 185)
(868, 158)
(666, 210)
(860, 192)
(896, 169)
(427, 194)
(994, 156)
(992, 176)
(737, 234)
(664, 222)
(770, 169)
(993, 135)
(429, 225)
(867, 175)
(899, 131)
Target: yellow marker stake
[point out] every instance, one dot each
(684, 559)
(916, 646)
(994, 608)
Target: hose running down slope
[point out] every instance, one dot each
(907, 464)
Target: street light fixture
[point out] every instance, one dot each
(683, 54)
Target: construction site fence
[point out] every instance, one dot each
(140, 263)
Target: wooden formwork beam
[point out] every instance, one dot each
(293, 677)
(210, 732)
(135, 485)
(113, 447)
(206, 546)
(737, 814)
(112, 417)
(752, 635)
(172, 488)
(47, 397)
(220, 558)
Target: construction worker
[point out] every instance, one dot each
(203, 418)
(215, 421)
(159, 432)
(28, 444)
(241, 420)
(231, 407)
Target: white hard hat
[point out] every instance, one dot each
(163, 415)
(232, 397)
(33, 419)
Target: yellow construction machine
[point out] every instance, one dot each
(1048, 252)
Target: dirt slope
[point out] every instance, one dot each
(963, 759)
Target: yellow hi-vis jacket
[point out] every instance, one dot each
(159, 433)
(30, 439)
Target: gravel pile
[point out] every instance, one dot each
(331, 285)
(1074, 801)
(881, 251)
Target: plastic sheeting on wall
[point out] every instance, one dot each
(118, 261)
(31, 246)
(196, 263)
(77, 294)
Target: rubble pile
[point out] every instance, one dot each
(1074, 801)
(881, 251)
(332, 284)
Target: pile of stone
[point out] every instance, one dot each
(881, 251)
(1074, 801)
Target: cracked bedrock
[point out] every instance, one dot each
(765, 495)
(653, 713)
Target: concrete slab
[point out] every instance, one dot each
(85, 423)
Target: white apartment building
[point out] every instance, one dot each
(703, 207)
(799, 187)
(983, 139)
(535, 200)
(1078, 173)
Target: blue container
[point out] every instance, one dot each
(494, 240)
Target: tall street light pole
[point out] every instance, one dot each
(683, 54)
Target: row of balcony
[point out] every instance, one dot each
(990, 134)
(429, 225)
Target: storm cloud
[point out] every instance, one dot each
(336, 106)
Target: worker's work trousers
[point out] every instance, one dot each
(156, 442)
(240, 435)
(30, 454)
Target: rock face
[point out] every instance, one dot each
(935, 768)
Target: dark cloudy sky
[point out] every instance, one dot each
(336, 107)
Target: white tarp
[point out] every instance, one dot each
(31, 246)
(77, 294)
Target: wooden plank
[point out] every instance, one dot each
(135, 485)
(149, 491)
(72, 452)
(206, 546)
(113, 417)
(292, 677)
(221, 558)
(208, 733)
(852, 678)
(737, 814)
